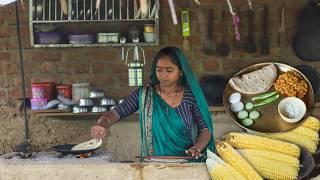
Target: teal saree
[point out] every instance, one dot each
(162, 129)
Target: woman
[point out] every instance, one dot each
(174, 116)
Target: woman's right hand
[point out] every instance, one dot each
(98, 132)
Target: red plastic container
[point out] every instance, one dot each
(48, 89)
(65, 90)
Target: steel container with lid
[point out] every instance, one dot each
(79, 91)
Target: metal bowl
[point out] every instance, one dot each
(108, 102)
(97, 109)
(97, 94)
(86, 102)
(79, 109)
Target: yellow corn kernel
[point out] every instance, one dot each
(217, 171)
(312, 123)
(214, 165)
(309, 133)
(295, 138)
(248, 141)
(284, 158)
(232, 157)
(272, 169)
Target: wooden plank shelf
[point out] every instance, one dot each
(53, 113)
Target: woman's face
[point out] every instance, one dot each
(167, 73)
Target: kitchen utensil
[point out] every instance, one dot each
(173, 12)
(97, 94)
(306, 40)
(250, 45)
(108, 101)
(209, 45)
(149, 37)
(212, 87)
(144, 4)
(108, 37)
(52, 104)
(185, 29)
(236, 21)
(96, 13)
(149, 28)
(49, 37)
(81, 38)
(80, 90)
(97, 109)
(66, 149)
(135, 68)
(122, 41)
(264, 40)
(66, 101)
(307, 164)
(79, 109)
(39, 10)
(282, 34)
(64, 6)
(223, 48)
(270, 120)
(85, 102)
(292, 109)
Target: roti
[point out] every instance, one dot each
(88, 145)
(255, 82)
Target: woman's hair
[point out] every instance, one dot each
(166, 52)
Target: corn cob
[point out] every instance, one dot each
(247, 141)
(218, 169)
(309, 133)
(272, 169)
(232, 157)
(298, 139)
(271, 155)
(312, 123)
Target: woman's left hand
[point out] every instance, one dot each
(194, 152)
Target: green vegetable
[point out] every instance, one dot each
(267, 101)
(263, 96)
(249, 106)
(242, 114)
(254, 115)
(247, 122)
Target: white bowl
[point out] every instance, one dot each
(292, 109)
(149, 37)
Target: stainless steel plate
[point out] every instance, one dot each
(269, 120)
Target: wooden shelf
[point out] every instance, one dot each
(52, 113)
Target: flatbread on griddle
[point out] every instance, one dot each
(88, 145)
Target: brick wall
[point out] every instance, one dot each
(102, 67)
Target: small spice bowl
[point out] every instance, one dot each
(292, 109)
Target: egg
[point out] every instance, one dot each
(235, 98)
(237, 107)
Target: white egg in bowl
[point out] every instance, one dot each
(292, 109)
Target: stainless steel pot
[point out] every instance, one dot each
(108, 102)
(85, 102)
(97, 94)
(98, 109)
(79, 109)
